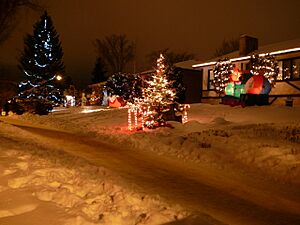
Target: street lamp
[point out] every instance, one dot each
(58, 77)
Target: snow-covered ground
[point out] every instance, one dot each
(253, 153)
(40, 184)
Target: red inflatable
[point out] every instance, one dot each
(116, 102)
(257, 84)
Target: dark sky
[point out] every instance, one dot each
(196, 26)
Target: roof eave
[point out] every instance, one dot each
(291, 50)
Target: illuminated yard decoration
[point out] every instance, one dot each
(264, 69)
(184, 109)
(222, 70)
(157, 101)
(158, 96)
(258, 84)
(234, 87)
(239, 87)
(137, 116)
(266, 66)
(70, 101)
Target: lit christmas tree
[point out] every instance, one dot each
(127, 86)
(222, 71)
(41, 62)
(158, 96)
(265, 65)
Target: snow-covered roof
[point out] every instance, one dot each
(278, 46)
(147, 71)
(97, 84)
(275, 48)
(186, 64)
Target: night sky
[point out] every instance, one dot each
(195, 26)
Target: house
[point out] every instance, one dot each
(192, 81)
(286, 53)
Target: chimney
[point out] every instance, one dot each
(247, 44)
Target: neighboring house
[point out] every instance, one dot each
(287, 54)
(192, 80)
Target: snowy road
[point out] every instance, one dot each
(226, 195)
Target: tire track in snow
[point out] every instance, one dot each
(192, 190)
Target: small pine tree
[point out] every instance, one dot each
(158, 96)
(41, 61)
(99, 73)
(267, 66)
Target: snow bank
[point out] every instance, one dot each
(260, 138)
(88, 194)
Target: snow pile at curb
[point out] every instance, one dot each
(271, 150)
(264, 139)
(88, 194)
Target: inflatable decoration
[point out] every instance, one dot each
(235, 87)
(258, 84)
(116, 101)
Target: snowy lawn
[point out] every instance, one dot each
(40, 184)
(264, 138)
(261, 142)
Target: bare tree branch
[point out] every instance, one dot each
(227, 46)
(9, 10)
(170, 56)
(116, 51)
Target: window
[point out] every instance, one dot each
(211, 76)
(296, 68)
(286, 69)
(248, 66)
(290, 69)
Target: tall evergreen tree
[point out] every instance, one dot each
(99, 73)
(41, 62)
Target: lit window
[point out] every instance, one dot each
(296, 68)
(290, 69)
